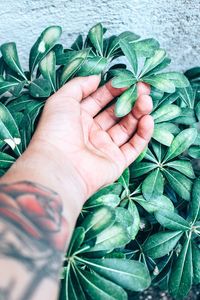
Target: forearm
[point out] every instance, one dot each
(36, 223)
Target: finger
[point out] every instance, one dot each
(106, 119)
(100, 98)
(143, 88)
(122, 131)
(78, 88)
(139, 141)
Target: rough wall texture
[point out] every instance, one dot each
(175, 23)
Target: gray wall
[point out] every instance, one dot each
(175, 23)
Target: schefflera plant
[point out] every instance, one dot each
(144, 229)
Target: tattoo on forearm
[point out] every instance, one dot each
(33, 234)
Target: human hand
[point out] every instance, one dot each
(74, 139)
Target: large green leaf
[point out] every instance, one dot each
(126, 101)
(43, 45)
(76, 240)
(146, 47)
(181, 143)
(9, 131)
(100, 288)
(153, 185)
(114, 236)
(141, 168)
(179, 80)
(154, 205)
(97, 221)
(166, 113)
(134, 228)
(40, 88)
(129, 52)
(125, 79)
(196, 263)
(48, 69)
(6, 160)
(70, 69)
(183, 166)
(6, 86)
(160, 244)
(129, 274)
(194, 211)
(95, 35)
(194, 151)
(93, 66)
(73, 286)
(187, 96)
(160, 83)
(179, 183)
(109, 199)
(180, 280)
(10, 56)
(162, 136)
(171, 220)
(153, 61)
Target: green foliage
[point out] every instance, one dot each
(143, 229)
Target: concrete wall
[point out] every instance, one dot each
(175, 23)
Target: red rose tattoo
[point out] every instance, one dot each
(32, 218)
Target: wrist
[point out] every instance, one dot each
(41, 166)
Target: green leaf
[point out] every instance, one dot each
(135, 227)
(126, 101)
(181, 143)
(129, 52)
(100, 288)
(97, 221)
(48, 69)
(179, 183)
(161, 243)
(186, 117)
(93, 66)
(193, 73)
(166, 113)
(6, 160)
(78, 43)
(162, 136)
(75, 289)
(6, 86)
(129, 274)
(40, 88)
(146, 47)
(179, 80)
(109, 199)
(124, 78)
(76, 240)
(141, 168)
(95, 35)
(154, 205)
(180, 280)
(171, 220)
(10, 56)
(43, 45)
(9, 131)
(125, 178)
(153, 61)
(153, 185)
(196, 263)
(170, 127)
(160, 83)
(187, 96)
(70, 69)
(114, 188)
(114, 236)
(197, 110)
(166, 61)
(194, 211)
(194, 151)
(183, 166)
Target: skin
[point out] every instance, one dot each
(78, 148)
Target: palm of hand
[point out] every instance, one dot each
(99, 146)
